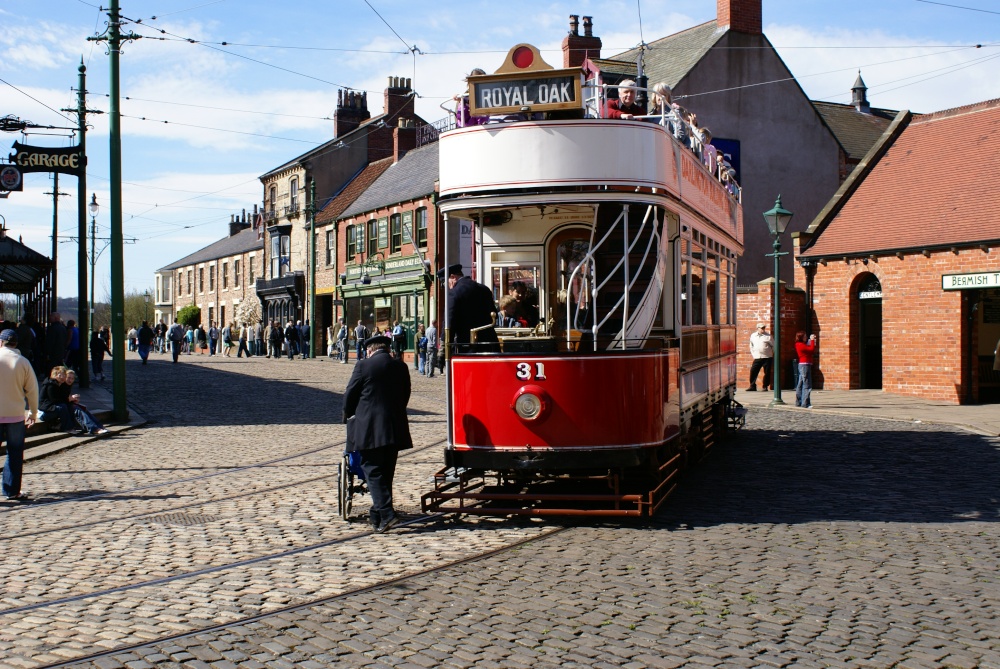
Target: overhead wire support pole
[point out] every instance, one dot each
(83, 310)
(311, 212)
(114, 39)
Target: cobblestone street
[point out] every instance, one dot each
(211, 534)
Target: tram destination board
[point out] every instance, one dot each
(535, 91)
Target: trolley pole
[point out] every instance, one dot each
(114, 39)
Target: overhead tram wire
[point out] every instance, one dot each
(227, 109)
(820, 74)
(28, 95)
(204, 127)
(971, 9)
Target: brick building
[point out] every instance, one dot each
(387, 244)
(901, 270)
(358, 140)
(777, 139)
(218, 278)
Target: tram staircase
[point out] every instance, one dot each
(613, 269)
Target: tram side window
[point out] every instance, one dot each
(712, 292)
(696, 295)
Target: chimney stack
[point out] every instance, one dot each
(398, 99)
(404, 138)
(577, 48)
(352, 111)
(742, 16)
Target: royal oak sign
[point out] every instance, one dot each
(43, 159)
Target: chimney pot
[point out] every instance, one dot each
(588, 26)
(574, 24)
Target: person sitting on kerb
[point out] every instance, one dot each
(625, 107)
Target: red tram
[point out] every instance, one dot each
(623, 368)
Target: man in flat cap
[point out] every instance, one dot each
(470, 305)
(377, 428)
(17, 385)
(762, 351)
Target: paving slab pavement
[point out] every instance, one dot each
(979, 418)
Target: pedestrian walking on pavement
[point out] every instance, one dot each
(304, 335)
(146, 337)
(377, 428)
(98, 349)
(213, 338)
(361, 334)
(18, 386)
(432, 349)
(762, 352)
(292, 338)
(243, 343)
(275, 340)
(176, 337)
(343, 352)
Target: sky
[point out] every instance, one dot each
(202, 120)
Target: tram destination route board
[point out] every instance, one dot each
(525, 83)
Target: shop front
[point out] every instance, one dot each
(380, 292)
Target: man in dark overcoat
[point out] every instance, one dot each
(470, 305)
(377, 428)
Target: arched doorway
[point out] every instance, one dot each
(869, 297)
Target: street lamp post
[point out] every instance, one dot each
(147, 307)
(777, 220)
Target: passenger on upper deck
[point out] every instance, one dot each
(462, 117)
(669, 111)
(625, 106)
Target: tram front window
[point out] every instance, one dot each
(521, 283)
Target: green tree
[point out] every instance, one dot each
(189, 315)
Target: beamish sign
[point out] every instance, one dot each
(43, 159)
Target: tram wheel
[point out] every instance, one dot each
(345, 488)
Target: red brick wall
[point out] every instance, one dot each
(743, 16)
(924, 345)
(758, 307)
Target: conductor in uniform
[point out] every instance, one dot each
(470, 305)
(377, 428)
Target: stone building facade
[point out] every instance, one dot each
(218, 278)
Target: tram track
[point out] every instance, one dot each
(318, 601)
(188, 505)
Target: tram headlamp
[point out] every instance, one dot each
(531, 403)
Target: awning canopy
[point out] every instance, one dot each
(21, 268)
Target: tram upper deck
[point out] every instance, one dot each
(505, 164)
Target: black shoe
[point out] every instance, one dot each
(752, 389)
(19, 497)
(388, 525)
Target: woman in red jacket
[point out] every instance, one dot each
(805, 350)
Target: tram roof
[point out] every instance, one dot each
(411, 178)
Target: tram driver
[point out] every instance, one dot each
(470, 305)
